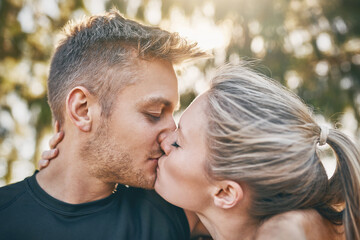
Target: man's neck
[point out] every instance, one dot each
(68, 179)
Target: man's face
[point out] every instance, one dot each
(125, 147)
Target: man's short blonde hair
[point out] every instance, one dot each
(97, 47)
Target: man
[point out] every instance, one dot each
(113, 89)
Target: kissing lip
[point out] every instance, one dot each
(156, 157)
(160, 160)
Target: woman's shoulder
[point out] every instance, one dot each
(299, 225)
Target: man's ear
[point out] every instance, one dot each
(228, 194)
(79, 103)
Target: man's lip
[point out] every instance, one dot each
(156, 157)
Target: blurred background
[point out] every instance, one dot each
(310, 46)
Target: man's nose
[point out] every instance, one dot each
(169, 127)
(165, 144)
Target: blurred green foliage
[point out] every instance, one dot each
(312, 46)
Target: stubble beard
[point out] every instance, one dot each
(111, 163)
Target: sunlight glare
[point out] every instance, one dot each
(153, 12)
(322, 68)
(3, 167)
(132, 7)
(201, 29)
(293, 79)
(346, 83)
(19, 108)
(349, 123)
(26, 19)
(6, 147)
(21, 169)
(340, 25)
(209, 9)
(356, 59)
(257, 45)
(254, 27)
(353, 45)
(6, 121)
(323, 42)
(94, 6)
(50, 8)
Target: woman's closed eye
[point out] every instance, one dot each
(175, 144)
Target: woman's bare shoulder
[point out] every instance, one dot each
(299, 225)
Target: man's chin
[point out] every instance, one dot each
(149, 185)
(143, 183)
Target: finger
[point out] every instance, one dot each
(54, 141)
(43, 163)
(49, 154)
(57, 126)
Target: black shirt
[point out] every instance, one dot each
(28, 212)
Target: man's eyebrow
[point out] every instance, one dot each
(156, 101)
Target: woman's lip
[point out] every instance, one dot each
(161, 161)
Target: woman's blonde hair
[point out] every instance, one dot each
(262, 134)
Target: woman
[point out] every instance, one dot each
(246, 150)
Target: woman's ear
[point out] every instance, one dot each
(228, 194)
(78, 107)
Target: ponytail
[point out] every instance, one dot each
(348, 172)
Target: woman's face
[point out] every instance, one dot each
(181, 177)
